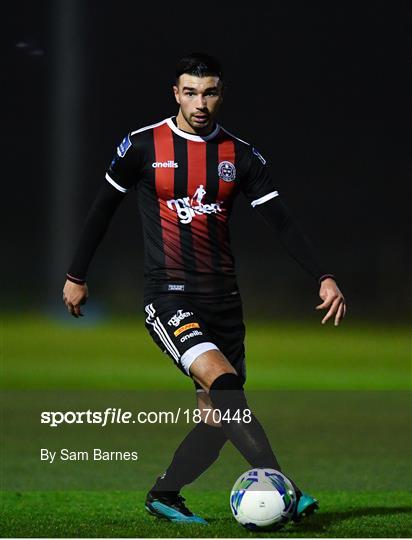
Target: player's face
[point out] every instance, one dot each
(199, 99)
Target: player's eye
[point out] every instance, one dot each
(190, 94)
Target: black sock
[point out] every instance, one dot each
(199, 449)
(249, 438)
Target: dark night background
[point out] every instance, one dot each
(323, 92)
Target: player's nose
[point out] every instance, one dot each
(201, 101)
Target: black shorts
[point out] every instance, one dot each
(185, 326)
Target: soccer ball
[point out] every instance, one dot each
(262, 498)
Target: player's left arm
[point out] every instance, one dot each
(299, 246)
(258, 186)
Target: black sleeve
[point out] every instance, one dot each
(123, 174)
(98, 219)
(276, 214)
(126, 166)
(257, 181)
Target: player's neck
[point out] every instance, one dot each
(184, 126)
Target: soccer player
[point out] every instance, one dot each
(188, 171)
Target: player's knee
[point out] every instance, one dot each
(209, 366)
(226, 381)
(226, 392)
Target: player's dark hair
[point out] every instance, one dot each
(199, 65)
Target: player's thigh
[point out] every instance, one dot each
(178, 329)
(227, 330)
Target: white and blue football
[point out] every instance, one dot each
(262, 498)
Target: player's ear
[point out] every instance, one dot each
(176, 93)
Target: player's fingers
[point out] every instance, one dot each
(67, 300)
(327, 302)
(343, 309)
(339, 314)
(77, 311)
(70, 309)
(331, 311)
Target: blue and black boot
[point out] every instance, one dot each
(171, 506)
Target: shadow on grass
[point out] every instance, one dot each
(323, 520)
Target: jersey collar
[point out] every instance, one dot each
(190, 136)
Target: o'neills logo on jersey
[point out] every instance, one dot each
(165, 164)
(188, 207)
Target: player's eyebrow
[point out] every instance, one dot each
(190, 89)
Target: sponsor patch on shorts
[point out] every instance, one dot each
(192, 334)
(185, 327)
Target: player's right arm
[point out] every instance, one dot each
(121, 176)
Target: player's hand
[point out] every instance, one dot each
(74, 296)
(333, 300)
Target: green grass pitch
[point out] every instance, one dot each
(121, 514)
(335, 404)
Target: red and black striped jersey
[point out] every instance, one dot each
(186, 187)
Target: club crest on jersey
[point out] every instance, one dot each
(124, 146)
(226, 171)
(188, 207)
